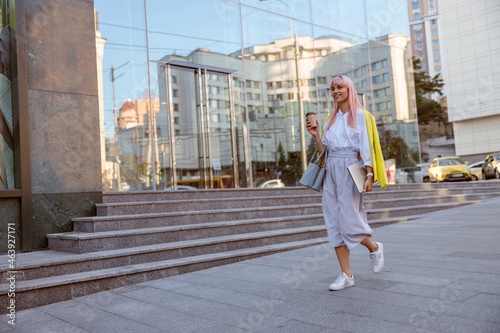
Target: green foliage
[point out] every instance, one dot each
(428, 110)
(394, 147)
(293, 169)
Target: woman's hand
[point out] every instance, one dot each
(312, 130)
(368, 184)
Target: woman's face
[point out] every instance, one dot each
(340, 93)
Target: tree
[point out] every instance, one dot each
(428, 110)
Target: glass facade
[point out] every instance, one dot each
(212, 94)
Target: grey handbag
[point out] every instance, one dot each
(315, 172)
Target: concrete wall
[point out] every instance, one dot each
(64, 114)
(470, 40)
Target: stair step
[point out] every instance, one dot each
(149, 207)
(136, 221)
(384, 213)
(371, 201)
(102, 241)
(43, 291)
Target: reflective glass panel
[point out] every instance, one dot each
(123, 95)
(206, 38)
(387, 17)
(276, 49)
(345, 16)
(298, 9)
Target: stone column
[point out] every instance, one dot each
(64, 114)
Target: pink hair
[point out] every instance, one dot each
(354, 104)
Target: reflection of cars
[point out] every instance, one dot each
(272, 183)
(476, 170)
(183, 188)
(491, 166)
(449, 169)
(416, 174)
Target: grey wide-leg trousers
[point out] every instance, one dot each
(345, 216)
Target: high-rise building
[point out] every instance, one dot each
(424, 31)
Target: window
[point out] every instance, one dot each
(380, 106)
(420, 56)
(440, 72)
(386, 77)
(256, 97)
(269, 85)
(422, 65)
(279, 97)
(417, 27)
(215, 118)
(291, 96)
(431, 3)
(384, 63)
(248, 83)
(174, 79)
(418, 36)
(415, 5)
(376, 65)
(363, 83)
(432, 11)
(370, 107)
(175, 92)
(389, 105)
(270, 98)
(321, 79)
(435, 21)
(249, 96)
(419, 46)
(435, 42)
(214, 89)
(436, 52)
(376, 79)
(312, 94)
(434, 31)
(416, 16)
(278, 84)
(437, 62)
(379, 93)
(214, 103)
(176, 107)
(256, 84)
(356, 72)
(176, 120)
(387, 91)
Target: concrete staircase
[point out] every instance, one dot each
(139, 236)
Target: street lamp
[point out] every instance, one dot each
(299, 89)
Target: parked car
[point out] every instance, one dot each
(272, 183)
(491, 166)
(416, 174)
(449, 169)
(476, 170)
(182, 188)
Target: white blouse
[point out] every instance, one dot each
(342, 136)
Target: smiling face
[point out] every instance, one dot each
(340, 93)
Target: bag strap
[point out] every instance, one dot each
(320, 155)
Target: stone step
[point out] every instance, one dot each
(136, 196)
(384, 213)
(426, 200)
(112, 240)
(392, 194)
(149, 207)
(136, 221)
(397, 198)
(43, 291)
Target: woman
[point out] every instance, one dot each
(346, 136)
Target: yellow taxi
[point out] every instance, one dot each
(452, 168)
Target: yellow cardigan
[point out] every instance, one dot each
(378, 164)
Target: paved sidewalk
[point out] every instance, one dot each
(442, 274)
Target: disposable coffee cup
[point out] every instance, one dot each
(311, 116)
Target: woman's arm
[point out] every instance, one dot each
(315, 133)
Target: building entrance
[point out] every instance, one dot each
(201, 126)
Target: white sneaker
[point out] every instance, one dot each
(378, 258)
(343, 281)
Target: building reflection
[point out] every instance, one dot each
(266, 99)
